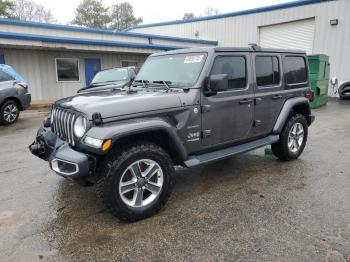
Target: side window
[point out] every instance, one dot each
(4, 76)
(267, 70)
(295, 70)
(234, 67)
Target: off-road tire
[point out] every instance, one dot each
(3, 121)
(281, 149)
(117, 162)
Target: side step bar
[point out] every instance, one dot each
(196, 160)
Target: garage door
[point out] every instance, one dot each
(294, 35)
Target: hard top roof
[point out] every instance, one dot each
(255, 49)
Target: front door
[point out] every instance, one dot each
(227, 116)
(92, 67)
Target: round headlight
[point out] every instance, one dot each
(80, 126)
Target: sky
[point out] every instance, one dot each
(153, 11)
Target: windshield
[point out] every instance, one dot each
(111, 75)
(177, 68)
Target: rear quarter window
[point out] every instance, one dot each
(295, 70)
(4, 76)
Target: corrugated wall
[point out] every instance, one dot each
(241, 30)
(39, 69)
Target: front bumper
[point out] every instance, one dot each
(62, 159)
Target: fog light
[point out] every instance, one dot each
(95, 142)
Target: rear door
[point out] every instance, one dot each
(2, 59)
(227, 116)
(268, 88)
(6, 83)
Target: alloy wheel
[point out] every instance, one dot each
(10, 113)
(296, 137)
(141, 183)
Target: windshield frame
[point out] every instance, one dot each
(177, 84)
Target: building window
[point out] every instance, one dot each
(295, 68)
(234, 67)
(267, 71)
(129, 63)
(67, 69)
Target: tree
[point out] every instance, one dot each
(6, 8)
(31, 11)
(122, 16)
(92, 13)
(188, 16)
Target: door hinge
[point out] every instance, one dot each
(206, 133)
(205, 108)
(257, 123)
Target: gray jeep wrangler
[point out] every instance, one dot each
(187, 107)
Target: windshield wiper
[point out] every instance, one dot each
(104, 82)
(143, 82)
(166, 83)
(98, 84)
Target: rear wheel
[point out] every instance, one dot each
(292, 139)
(9, 112)
(138, 182)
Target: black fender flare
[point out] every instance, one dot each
(127, 128)
(293, 104)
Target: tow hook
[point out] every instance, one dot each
(37, 148)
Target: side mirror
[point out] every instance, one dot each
(132, 79)
(218, 83)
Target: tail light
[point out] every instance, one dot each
(23, 85)
(310, 95)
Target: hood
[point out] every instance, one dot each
(112, 103)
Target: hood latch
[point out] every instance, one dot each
(97, 119)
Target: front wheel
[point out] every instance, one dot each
(138, 181)
(292, 139)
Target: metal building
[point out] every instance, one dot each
(38, 51)
(317, 26)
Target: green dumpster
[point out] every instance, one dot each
(319, 79)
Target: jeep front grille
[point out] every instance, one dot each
(62, 125)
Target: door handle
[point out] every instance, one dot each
(276, 97)
(258, 100)
(245, 101)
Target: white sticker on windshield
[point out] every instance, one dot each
(193, 59)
